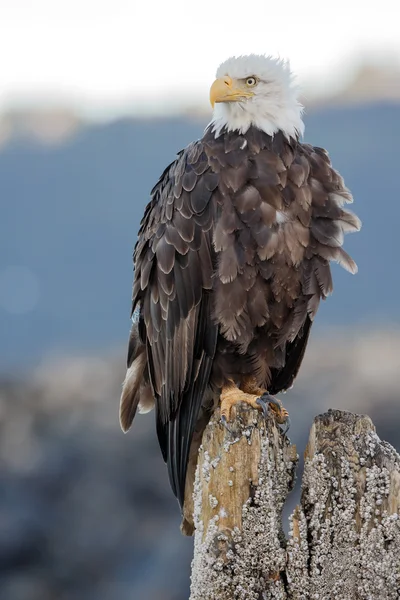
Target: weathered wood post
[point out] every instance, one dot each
(344, 538)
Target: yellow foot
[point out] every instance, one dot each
(231, 395)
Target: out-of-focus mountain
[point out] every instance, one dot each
(49, 126)
(371, 83)
(57, 123)
(86, 513)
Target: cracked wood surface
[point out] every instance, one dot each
(344, 539)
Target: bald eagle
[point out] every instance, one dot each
(231, 262)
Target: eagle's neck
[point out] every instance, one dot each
(270, 117)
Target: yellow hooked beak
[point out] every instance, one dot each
(225, 89)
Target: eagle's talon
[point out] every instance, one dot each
(285, 426)
(224, 422)
(275, 403)
(264, 406)
(268, 402)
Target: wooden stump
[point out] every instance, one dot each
(346, 532)
(345, 535)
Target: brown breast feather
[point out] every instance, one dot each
(281, 203)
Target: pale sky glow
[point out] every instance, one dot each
(111, 53)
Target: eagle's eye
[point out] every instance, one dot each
(251, 81)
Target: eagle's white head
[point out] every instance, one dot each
(256, 90)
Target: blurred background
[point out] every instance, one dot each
(96, 97)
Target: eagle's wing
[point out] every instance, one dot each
(173, 262)
(318, 194)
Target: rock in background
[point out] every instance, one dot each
(86, 512)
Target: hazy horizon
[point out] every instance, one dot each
(106, 59)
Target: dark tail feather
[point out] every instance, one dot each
(181, 431)
(175, 436)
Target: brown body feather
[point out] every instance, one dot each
(231, 262)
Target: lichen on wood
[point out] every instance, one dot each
(242, 481)
(344, 536)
